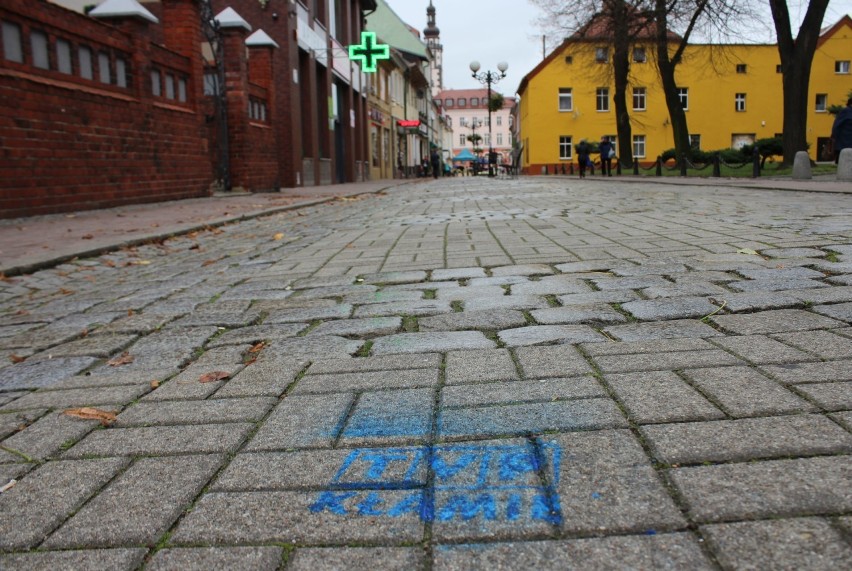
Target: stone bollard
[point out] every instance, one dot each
(802, 166)
(844, 166)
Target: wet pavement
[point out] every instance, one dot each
(493, 374)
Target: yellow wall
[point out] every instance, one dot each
(709, 72)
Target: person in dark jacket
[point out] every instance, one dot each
(583, 151)
(605, 148)
(435, 159)
(841, 131)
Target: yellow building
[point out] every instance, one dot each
(732, 95)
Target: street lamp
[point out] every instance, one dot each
(489, 77)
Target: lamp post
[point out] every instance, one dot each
(489, 77)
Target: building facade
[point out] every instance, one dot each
(467, 110)
(732, 96)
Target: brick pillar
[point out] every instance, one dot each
(181, 21)
(262, 65)
(237, 97)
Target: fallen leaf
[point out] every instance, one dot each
(122, 359)
(16, 359)
(105, 417)
(747, 251)
(130, 312)
(8, 486)
(251, 361)
(278, 236)
(214, 376)
(208, 263)
(257, 348)
(142, 262)
(64, 291)
(87, 237)
(155, 384)
(22, 312)
(109, 263)
(195, 247)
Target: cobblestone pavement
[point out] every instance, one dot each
(524, 374)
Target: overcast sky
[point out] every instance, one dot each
(491, 31)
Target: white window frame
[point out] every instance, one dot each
(602, 99)
(683, 95)
(841, 67)
(566, 142)
(566, 94)
(640, 99)
(740, 100)
(640, 144)
(821, 103)
(462, 139)
(602, 54)
(499, 138)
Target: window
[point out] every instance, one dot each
(449, 102)
(639, 99)
(84, 58)
(740, 102)
(170, 87)
(695, 142)
(739, 140)
(462, 140)
(474, 101)
(683, 95)
(499, 120)
(462, 122)
(639, 146)
(639, 55)
(121, 72)
(602, 99)
(462, 101)
(821, 102)
(38, 42)
(156, 89)
(182, 92)
(499, 138)
(63, 56)
(565, 148)
(569, 59)
(601, 55)
(566, 99)
(841, 67)
(12, 49)
(741, 68)
(779, 69)
(211, 84)
(103, 68)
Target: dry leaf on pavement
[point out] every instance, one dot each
(257, 348)
(105, 417)
(213, 376)
(16, 358)
(155, 384)
(122, 359)
(278, 236)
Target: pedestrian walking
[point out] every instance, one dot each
(583, 150)
(841, 131)
(607, 153)
(435, 159)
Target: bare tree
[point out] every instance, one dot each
(797, 56)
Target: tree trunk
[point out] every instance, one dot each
(621, 72)
(677, 116)
(796, 59)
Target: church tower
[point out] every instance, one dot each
(433, 40)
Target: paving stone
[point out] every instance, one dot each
(196, 412)
(606, 485)
(825, 344)
(12, 422)
(113, 559)
(367, 326)
(431, 342)
(334, 292)
(684, 289)
(381, 363)
(747, 439)
(756, 301)
(457, 274)
(841, 311)
(489, 320)
(496, 281)
(837, 294)
(139, 323)
(541, 390)
(287, 517)
(37, 373)
(640, 395)
(661, 330)
(94, 345)
(517, 302)
(742, 392)
(761, 350)
(633, 282)
(394, 277)
(366, 381)
(469, 292)
(424, 307)
(518, 419)
(844, 418)
(10, 472)
(780, 273)
(782, 284)
(206, 558)
(662, 551)
(480, 366)
(802, 543)
(647, 346)
(296, 315)
(311, 469)
(778, 321)
(147, 507)
(554, 361)
(575, 314)
(551, 285)
(303, 421)
(536, 334)
(101, 396)
(772, 488)
(162, 440)
(795, 373)
(613, 296)
(830, 396)
(665, 361)
(269, 377)
(107, 379)
(390, 417)
(675, 308)
(46, 496)
(48, 436)
(256, 333)
(357, 558)
(793, 253)
(522, 270)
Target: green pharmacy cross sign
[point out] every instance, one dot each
(369, 51)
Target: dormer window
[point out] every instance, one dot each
(601, 55)
(639, 55)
